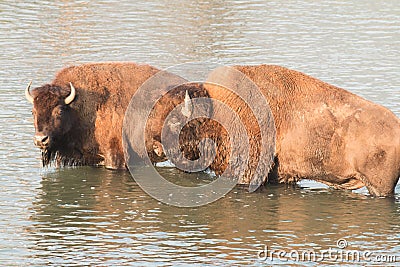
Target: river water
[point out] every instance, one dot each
(92, 216)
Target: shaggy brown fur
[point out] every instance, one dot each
(89, 131)
(157, 120)
(216, 129)
(325, 133)
(103, 91)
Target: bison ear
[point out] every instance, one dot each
(158, 148)
(71, 96)
(187, 108)
(28, 94)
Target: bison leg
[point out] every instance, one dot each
(114, 161)
(352, 183)
(114, 157)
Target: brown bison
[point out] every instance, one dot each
(78, 117)
(323, 132)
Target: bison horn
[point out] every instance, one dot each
(71, 96)
(28, 94)
(186, 110)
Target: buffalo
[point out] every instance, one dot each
(328, 134)
(323, 133)
(78, 117)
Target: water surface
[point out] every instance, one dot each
(91, 216)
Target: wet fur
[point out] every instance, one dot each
(327, 134)
(323, 132)
(103, 91)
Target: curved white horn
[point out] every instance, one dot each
(71, 96)
(186, 110)
(28, 94)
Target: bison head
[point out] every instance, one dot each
(53, 118)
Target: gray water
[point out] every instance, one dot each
(91, 216)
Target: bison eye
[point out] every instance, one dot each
(58, 112)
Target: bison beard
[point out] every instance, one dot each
(62, 157)
(49, 156)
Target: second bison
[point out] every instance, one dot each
(323, 133)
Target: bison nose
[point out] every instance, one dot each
(41, 141)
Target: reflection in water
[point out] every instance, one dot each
(103, 217)
(94, 216)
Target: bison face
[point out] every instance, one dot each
(53, 118)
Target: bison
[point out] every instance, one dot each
(323, 133)
(78, 117)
